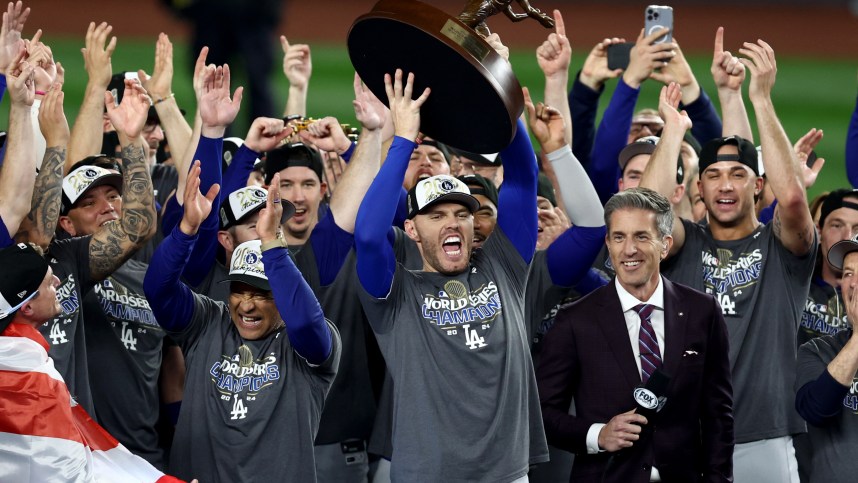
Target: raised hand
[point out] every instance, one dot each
(20, 80)
(96, 55)
(61, 74)
(678, 70)
(11, 43)
(201, 73)
(160, 84)
(217, 110)
(269, 217)
(297, 63)
(52, 118)
(495, 41)
(370, 112)
(554, 54)
(809, 174)
(803, 147)
(808, 142)
(546, 123)
(197, 207)
(404, 111)
(266, 133)
(552, 223)
(42, 57)
(764, 69)
(595, 71)
(327, 135)
(646, 56)
(727, 71)
(129, 116)
(668, 103)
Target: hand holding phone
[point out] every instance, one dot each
(618, 55)
(656, 17)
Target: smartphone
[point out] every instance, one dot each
(656, 17)
(618, 55)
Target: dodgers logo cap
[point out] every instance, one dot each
(439, 189)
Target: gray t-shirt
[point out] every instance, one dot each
(465, 402)
(823, 314)
(761, 288)
(251, 407)
(835, 446)
(69, 259)
(124, 343)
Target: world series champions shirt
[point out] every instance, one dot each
(252, 407)
(761, 288)
(836, 442)
(465, 402)
(124, 344)
(69, 259)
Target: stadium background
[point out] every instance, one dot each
(815, 42)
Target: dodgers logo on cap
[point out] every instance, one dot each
(251, 258)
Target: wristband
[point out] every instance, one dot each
(276, 243)
(162, 99)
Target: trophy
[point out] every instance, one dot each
(476, 98)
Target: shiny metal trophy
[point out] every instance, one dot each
(476, 98)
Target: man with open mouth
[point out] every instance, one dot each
(453, 334)
(259, 367)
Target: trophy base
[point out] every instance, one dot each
(476, 98)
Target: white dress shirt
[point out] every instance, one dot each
(633, 326)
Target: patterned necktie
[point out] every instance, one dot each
(648, 344)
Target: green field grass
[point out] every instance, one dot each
(809, 93)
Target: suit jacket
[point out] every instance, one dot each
(587, 357)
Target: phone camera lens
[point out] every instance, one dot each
(649, 11)
(649, 17)
(655, 15)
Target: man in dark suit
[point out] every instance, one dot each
(609, 343)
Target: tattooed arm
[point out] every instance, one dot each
(793, 223)
(41, 222)
(115, 242)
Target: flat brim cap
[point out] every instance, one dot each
(439, 189)
(246, 266)
(644, 145)
(23, 272)
(837, 253)
(490, 160)
(77, 183)
(244, 202)
(479, 185)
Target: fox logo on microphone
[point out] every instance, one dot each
(648, 400)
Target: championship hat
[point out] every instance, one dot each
(246, 265)
(246, 201)
(86, 177)
(439, 189)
